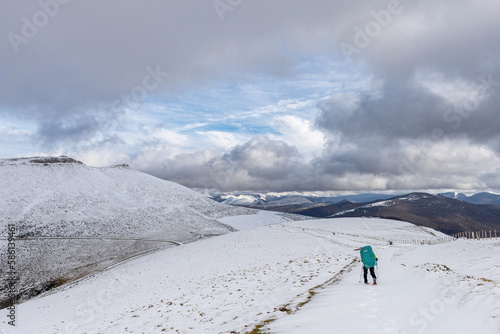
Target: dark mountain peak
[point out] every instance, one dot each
(344, 201)
(415, 196)
(418, 195)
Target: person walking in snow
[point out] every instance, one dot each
(369, 260)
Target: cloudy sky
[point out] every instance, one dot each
(259, 95)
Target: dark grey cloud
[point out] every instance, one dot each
(402, 112)
(455, 41)
(437, 74)
(411, 137)
(259, 164)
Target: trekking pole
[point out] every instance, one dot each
(360, 273)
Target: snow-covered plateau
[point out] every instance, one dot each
(291, 277)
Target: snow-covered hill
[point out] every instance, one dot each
(299, 277)
(72, 219)
(60, 197)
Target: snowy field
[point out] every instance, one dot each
(292, 277)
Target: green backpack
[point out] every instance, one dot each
(368, 257)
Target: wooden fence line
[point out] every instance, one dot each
(421, 241)
(477, 235)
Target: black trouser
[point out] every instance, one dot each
(372, 272)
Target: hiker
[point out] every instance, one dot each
(369, 261)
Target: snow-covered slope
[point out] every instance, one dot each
(68, 198)
(72, 219)
(300, 277)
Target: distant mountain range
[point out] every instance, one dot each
(479, 198)
(274, 200)
(290, 203)
(448, 212)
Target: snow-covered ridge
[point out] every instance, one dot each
(39, 160)
(69, 215)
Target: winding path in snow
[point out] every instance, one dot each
(413, 296)
(95, 238)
